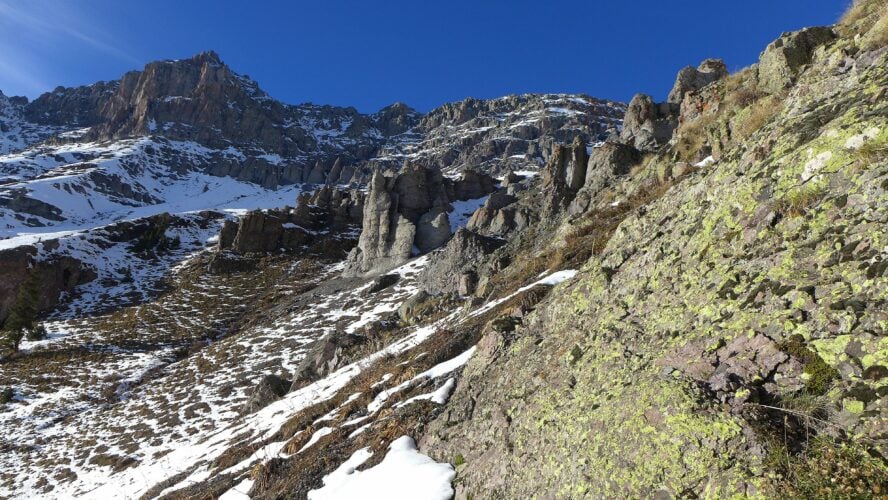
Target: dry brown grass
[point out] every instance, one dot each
(872, 151)
(877, 37)
(861, 17)
(693, 135)
(797, 202)
(760, 112)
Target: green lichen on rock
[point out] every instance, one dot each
(757, 279)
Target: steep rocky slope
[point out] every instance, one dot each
(692, 305)
(723, 325)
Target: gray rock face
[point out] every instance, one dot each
(564, 175)
(432, 230)
(408, 211)
(327, 213)
(78, 106)
(607, 162)
(690, 79)
(649, 125)
(454, 268)
(393, 208)
(783, 59)
(259, 231)
(500, 215)
(269, 389)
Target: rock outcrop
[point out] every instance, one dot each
(648, 125)
(56, 275)
(564, 175)
(407, 214)
(783, 59)
(269, 389)
(690, 79)
(326, 356)
(456, 267)
(607, 162)
(500, 215)
(326, 213)
(731, 316)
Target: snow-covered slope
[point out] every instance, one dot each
(82, 185)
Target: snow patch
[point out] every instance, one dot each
(404, 474)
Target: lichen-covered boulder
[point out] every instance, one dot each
(783, 59)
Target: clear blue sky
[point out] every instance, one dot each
(370, 53)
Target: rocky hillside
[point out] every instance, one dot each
(534, 296)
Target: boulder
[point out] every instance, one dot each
(462, 255)
(269, 389)
(691, 79)
(382, 282)
(432, 230)
(784, 58)
(326, 356)
(500, 215)
(648, 125)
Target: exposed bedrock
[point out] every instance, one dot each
(407, 214)
(328, 213)
(55, 275)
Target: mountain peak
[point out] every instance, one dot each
(209, 56)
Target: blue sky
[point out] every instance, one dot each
(369, 54)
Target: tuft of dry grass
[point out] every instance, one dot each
(869, 19)
(760, 112)
(693, 135)
(797, 202)
(872, 151)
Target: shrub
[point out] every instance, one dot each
(6, 395)
(38, 332)
(23, 315)
(459, 460)
(826, 469)
(821, 374)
